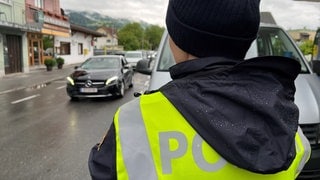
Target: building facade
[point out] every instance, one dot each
(109, 41)
(301, 35)
(78, 47)
(33, 30)
(50, 18)
(13, 37)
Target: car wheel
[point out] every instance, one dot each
(131, 83)
(74, 98)
(121, 89)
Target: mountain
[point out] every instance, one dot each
(94, 20)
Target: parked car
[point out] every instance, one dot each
(272, 40)
(100, 76)
(134, 56)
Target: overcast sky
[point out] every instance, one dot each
(287, 13)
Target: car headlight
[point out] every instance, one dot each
(70, 80)
(112, 80)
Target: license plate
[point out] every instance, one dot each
(88, 90)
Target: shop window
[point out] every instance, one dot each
(38, 3)
(64, 48)
(80, 48)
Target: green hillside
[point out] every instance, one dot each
(93, 20)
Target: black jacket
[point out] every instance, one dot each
(244, 110)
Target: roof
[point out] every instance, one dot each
(266, 17)
(262, 24)
(108, 30)
(77, 28)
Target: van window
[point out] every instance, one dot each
(166, 58)
(275, 42)
(316, 45)
(270, 42)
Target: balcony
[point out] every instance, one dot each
(13, 15)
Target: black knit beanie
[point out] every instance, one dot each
(206, 28)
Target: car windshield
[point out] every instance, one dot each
(270, 42)
(101, 63)
(133, 55)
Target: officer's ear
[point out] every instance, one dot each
(179, 55)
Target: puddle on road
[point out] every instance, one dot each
(38, 86)
(43, 85)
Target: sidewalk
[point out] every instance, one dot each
(36, 76)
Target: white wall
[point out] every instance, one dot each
(102, 42)
(74, 40)
(24, 55)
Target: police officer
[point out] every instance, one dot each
(220, 117)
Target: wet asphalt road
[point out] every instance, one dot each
(43, 135)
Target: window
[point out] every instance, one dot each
(101, 63)
(275, 42)
(166, 58)
(64, 48)
(5, 1)
(38, 3)
(316, 46)
(80, 48)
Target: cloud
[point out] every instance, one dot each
(294, 15)
(287, 13)
(151, 11)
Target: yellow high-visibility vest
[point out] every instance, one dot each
(154, 141)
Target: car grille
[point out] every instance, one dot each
(92, 84)
(309, 175)
(312, 132)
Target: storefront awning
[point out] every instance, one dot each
(55, 33)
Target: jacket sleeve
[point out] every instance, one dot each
(102, 159)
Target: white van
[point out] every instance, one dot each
(134, 56)
(271, 41)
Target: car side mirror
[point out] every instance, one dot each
(143, 67)
(316, 66)
(76, 67)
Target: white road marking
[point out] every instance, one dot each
(61, 87)
(25, 99)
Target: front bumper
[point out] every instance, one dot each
(311, 170)
(104, 91)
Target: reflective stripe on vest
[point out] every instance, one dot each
(154, 141)
(305, 152)
(136, 157)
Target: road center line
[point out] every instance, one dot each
(25, 99)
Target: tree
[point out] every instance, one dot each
(131, 36)
(153, 36)
(128, 40)
(306, 47)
